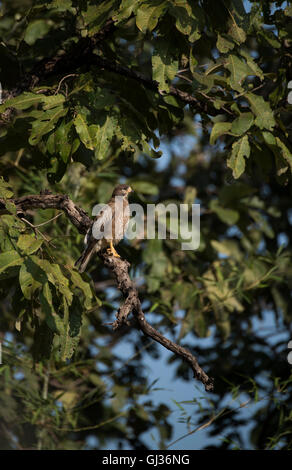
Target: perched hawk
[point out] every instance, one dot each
(108, 228)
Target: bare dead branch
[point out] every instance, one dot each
(120, 269)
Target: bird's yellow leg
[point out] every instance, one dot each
(111, 250)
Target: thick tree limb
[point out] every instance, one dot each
(119, 268)
(77, 216)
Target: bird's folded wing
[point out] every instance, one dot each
(103, 225)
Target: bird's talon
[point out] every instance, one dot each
(111, 251)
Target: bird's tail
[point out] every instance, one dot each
(84, 259)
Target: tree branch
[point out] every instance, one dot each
(119, 268)
(132, 303)
(82, 54)
(201, 106)
(77, 216)
(77, 56)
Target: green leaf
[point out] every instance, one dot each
(52, 101)
(5, 191)
(218, 129)
(281, 153)
(86, 133)
(223, 44)
(23, 101)
(145, 187)
(228, 216)
(11, 207)
(229, 194)
(206, 80)
(228, 248)
(72, 321)
(286, 153)
(96, 15)
(28, 244)
(148, 14)
(45, 122)
(129, 133)
(157, 262)
(46, 299)
(239, 71)
(254, 68)
(9, 259)
(200, 324)
(127, 7)
(184, 293)
(9, 231)
(84, 286)
(164, 65)
(237, 21)
(57, 279)
(103, 137)
(36, 30)
(270, 38)
(61, 5)
(240, 150)
(262, 223)
(262, 110)
(120, 395)
(53, 320)
(31, 277)
(60, 141)
(237, 33)
(192, 60)
(189, 18)
(242, 124)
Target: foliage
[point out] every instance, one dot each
(93, 91)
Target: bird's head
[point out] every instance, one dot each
(122, 190)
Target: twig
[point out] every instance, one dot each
(19, 155)
(64, 78)
(224, 412)
(184, 78)
(95, 426)
(35, 229)
(48, 221)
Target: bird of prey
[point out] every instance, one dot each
(108, 228)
